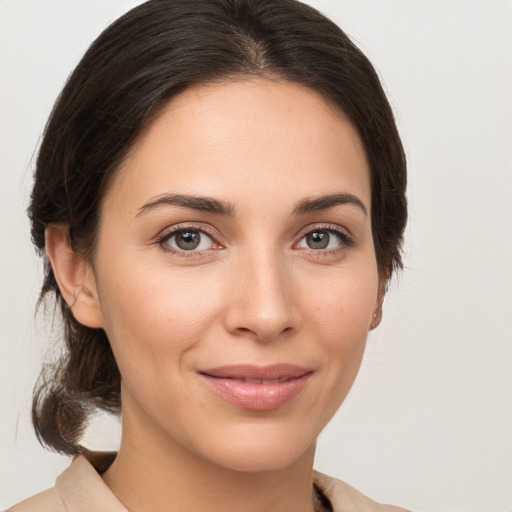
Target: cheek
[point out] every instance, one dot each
(341, 313)
(151, 313)
(342, 304)
(340, 309)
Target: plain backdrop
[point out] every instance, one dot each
(428, 424)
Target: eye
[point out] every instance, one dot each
(323, 240)
(188, 240)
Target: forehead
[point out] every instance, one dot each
(270, 140)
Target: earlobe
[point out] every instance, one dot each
(376, 318)
(74, 277)
(377, 313)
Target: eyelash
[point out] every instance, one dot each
(346, 241)
(163, 239)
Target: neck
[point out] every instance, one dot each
(153, 473)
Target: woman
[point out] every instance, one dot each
(220, 201)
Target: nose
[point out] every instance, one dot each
(262, 302)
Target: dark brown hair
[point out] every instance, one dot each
(136, 65)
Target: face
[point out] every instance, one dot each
(235, 272)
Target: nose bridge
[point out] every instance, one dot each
(263, 303)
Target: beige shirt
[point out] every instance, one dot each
(80, 488)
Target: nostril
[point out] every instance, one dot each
(265, 334)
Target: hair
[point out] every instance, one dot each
(128, 74)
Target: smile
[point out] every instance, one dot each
(257, 388)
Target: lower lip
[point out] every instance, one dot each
(258, 397)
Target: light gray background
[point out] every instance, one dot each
(428, 424)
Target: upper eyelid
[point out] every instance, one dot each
(325, 227)
(171, 230)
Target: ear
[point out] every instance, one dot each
(377, 313)
(74, 276)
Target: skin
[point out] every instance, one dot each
(255, 293)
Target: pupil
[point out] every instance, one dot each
(188, 240)
(318, 240)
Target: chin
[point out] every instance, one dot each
(253, 461)
(261, 451)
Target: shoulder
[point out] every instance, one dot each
(46, 501)
(345, 498)
(79, 488)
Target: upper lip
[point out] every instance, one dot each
(279, 371)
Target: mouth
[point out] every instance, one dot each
(257, 388)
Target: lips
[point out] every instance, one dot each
(257, 388)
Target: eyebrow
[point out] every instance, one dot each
(310, 204)
(204, 204)
(210, 205)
